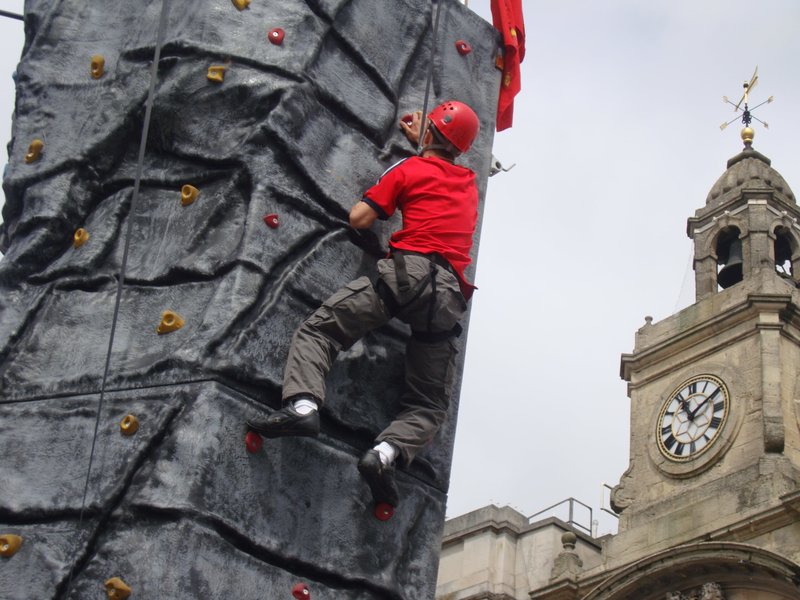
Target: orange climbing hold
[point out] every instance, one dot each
(463, 47)
(80, 237)
(116, 589)
(9, 544)
(301, 591)
(216, 73)
(241, 4)
(97, 66)
(34, 151)
(272, 220)
(383, 511)
(189, 194)
(170, 321)
(276, 36)
(129, 425)
(253, 442)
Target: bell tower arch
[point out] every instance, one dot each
(749, 225)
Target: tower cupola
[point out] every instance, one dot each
(748, 225)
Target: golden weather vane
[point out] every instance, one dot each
(747, 113)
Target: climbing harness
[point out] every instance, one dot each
(404, 287)
(162, 27)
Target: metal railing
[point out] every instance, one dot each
(571, 519)
(10, 15)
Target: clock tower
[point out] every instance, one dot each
(709, 506)
(715, 388)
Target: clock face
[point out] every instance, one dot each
(692, 417)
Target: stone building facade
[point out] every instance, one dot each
(710, 504)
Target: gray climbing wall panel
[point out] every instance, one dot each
(297, 130)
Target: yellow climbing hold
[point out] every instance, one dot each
(129, 425)
(98, 65)
(216, 73)
(116, 589)
(80, 238)
(241, 4)
(170, 321)
(188, 194)
(34, 151)
(9, 544)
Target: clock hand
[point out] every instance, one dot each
(685, 406)
(699, 406)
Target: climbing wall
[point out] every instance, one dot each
(268, 120)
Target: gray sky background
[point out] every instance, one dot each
(616, 142)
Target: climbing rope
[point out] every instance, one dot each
(162, 26)
(430, 76)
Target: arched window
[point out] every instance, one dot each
(784, 248)
(729, 257)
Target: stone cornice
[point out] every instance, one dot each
(718, 327)
(503, 526)
(764, 522)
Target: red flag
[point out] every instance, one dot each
(507, 18)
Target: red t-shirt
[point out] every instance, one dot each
(439, 203)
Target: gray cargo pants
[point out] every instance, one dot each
(355, 310)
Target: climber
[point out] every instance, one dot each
(422, 283)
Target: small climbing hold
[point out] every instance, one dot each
(241, 4)
(253, 442)
(97, 66)
(116, 589)
(301, 591)
(129, 425)
(271, 220)
(170, 321)
(216, 73)
(80, 237)
(9, 544)
(407, 119)
(188, 194)
(276, 36)
(34, 151)
(384, 511)
(463, 47)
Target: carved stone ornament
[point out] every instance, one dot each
(707, 591)
(567, 564)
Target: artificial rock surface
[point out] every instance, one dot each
(298, 130)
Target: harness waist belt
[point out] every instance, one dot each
(435, 258)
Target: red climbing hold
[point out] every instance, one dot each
(253, 442)
(271, 220)
(300, 591)
(276, 36)
(407, 119)
(463, 47)
(384, 511)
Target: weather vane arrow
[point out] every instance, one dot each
(746, 113)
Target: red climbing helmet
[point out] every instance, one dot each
(457, 123)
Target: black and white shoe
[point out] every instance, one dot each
(287, 422)
(379, 478)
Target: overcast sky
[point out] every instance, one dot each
(616, 142)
